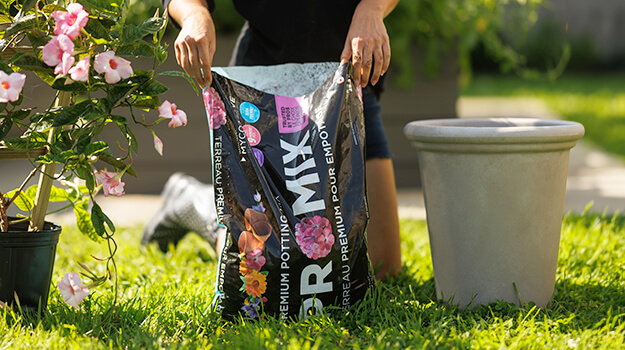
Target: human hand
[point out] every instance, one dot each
(195, 46)
(367, 44)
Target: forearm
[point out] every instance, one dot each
(179, 10)
(384, 7)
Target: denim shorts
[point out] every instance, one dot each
(376, 144)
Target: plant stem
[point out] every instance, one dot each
(21, 188)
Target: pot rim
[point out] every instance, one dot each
(493, 130)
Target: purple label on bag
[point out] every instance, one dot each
(292, 114)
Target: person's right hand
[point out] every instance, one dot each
(195, 46)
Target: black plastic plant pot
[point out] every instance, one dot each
(26, 264)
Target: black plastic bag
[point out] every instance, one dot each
(289, 180)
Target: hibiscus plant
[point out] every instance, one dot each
(83, 50)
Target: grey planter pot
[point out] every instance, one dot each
(494, 195)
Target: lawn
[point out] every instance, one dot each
(165, 303)
(597, 100)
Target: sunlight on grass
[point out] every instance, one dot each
(165, 302)
(595, 100)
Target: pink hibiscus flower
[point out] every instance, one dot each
(72, 290)
(111, 182)
(59, 53)
(113, 67)
(11, 86)
(80, 72)
(71, 22)
(170, 111)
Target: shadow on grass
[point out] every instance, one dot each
(590, 302)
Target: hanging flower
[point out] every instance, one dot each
(111, 182)
(80, 72)
(72, 290)
(255, 283)
(58, 52)
(113, 67)
(215, 108)
(11, 86)
(71, 22)
(158, 144)
(255, 259)
(170, 111)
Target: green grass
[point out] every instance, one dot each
(596, 100)
(165, 303)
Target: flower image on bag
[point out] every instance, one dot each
(214, 108)
(314, 236)
(289, 180)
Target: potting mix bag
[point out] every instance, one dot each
(289, 180)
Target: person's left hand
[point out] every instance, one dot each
(367, 44)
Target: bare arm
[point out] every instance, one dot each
(367, 42)
(196, 42)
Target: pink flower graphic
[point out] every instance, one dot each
(80, 72)
(255, 259)
(113, 67)
(314, 236)
(11, 86)
(72, 290)
(170, 111)
(111, 182)
(58, 52)
(215, 108)
(71, 22)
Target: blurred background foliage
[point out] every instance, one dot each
(486, 35)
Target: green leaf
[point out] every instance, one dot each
(20, 114)
(161, 54)
(147, 102)
(119, 119)
(97, 27)
(59, 84)
(84, 223)
(37, 66)
(6, 124)
(130, 33)
(69, 115)
(25, 143)
(121, 90)
(5, 67)
(26, 6)
(22, 201)
(37, 40)
(151, 88)
(24, 23)
(98, 218)
(175, 73)
(101, 5)
(58, 194)
(48, 9)
(95, 147)
(59, 158)
(151, 26)
(117, 163)
(137, 48)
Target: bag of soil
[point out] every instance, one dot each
(289, 181)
